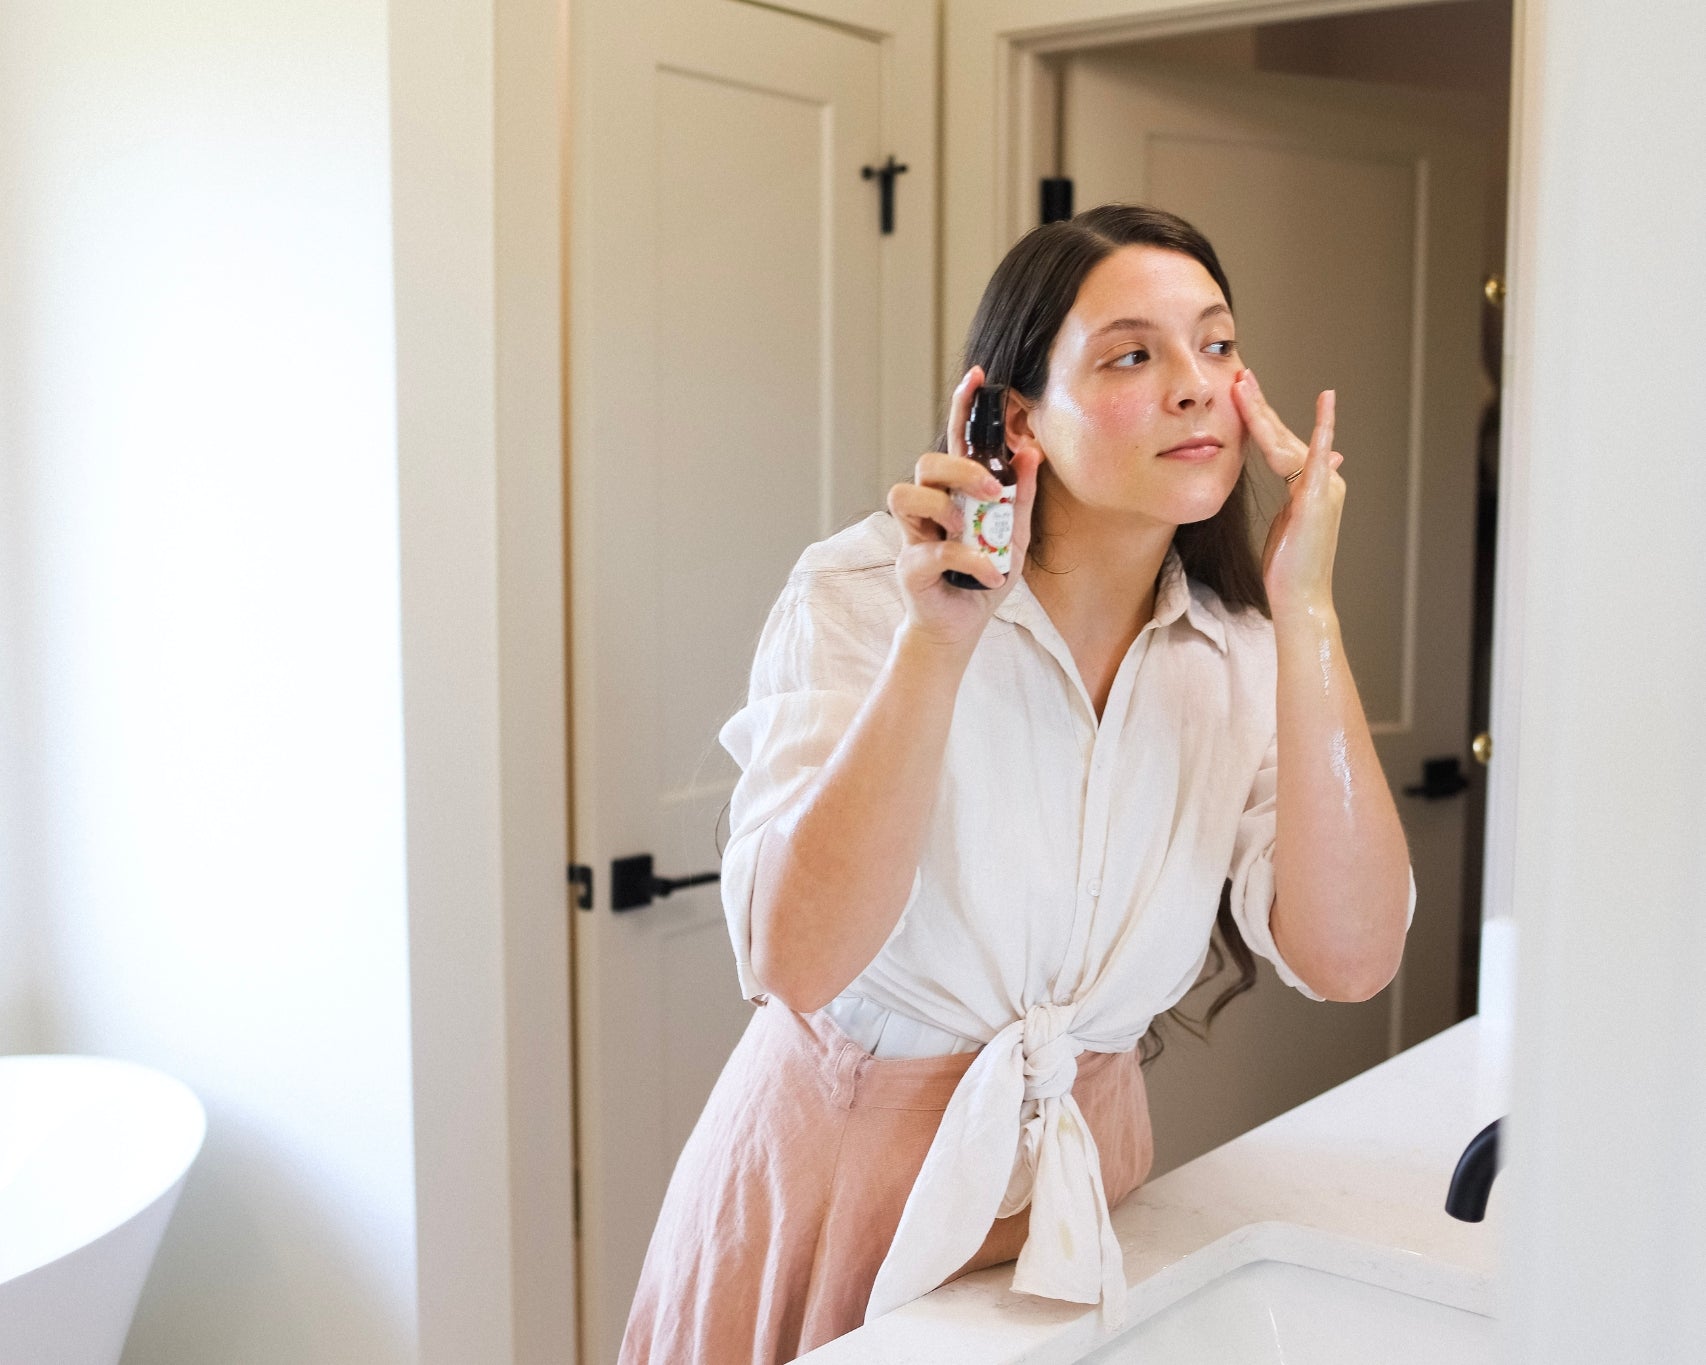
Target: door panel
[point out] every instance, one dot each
(1325, 292)
(739, 392)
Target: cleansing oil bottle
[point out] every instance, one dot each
(988, 525)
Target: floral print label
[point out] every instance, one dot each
(989, 525)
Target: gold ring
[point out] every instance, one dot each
(1295, 474)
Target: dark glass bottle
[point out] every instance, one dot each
(988, 525)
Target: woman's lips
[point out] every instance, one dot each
(1197, 448)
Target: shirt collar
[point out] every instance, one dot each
(1174, 597)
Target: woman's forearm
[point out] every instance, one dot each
(836, 868)
(1341, 866)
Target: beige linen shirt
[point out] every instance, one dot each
(1067, 886)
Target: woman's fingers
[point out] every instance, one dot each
(954, 474)
(925, 507)
(1297, 563)
(1278, 444)
(925, 513)
(1284, 453)
(923, 563)
(959, 410)
(1318, 461)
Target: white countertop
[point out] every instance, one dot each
(1354, 1181)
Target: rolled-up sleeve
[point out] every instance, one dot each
(813, 669)
(1253, 873)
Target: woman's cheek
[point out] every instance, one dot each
(1135, 415)
(1224, 397)
(1240, 432)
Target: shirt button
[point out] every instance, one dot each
(1095, 888)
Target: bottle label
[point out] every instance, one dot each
(989, 525)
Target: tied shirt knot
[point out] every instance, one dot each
(1050, 1051)
(1012, 1137)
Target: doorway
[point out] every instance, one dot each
(1352, 171)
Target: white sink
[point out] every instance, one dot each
(1271, 1312)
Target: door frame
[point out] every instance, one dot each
(992, 55)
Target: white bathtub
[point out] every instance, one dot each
(93, 1153)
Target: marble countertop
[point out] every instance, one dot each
(1353, 1182)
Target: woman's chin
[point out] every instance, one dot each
(1175, 503)
(1183, 511)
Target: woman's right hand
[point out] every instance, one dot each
(931, 523)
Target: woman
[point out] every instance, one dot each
(980, 837)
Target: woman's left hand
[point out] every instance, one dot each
(1297, 563)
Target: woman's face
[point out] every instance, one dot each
(1138, 417)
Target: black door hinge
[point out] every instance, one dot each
(1056, 198)
(580, 877)
(1441, 778)
(885, 175)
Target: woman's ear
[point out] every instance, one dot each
(1021, 435)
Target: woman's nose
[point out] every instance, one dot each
(1190, 387)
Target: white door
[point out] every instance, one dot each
(736, 393)
(1349, 220)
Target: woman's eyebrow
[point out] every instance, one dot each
(1145, 325)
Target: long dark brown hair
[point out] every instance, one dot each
(1023, 306)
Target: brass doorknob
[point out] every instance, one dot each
(1482, 748)
(1493, 289)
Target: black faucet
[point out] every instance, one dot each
(1472, 1181)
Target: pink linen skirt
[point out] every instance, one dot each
(788, 1193)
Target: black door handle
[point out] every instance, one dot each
(634, 885)
(1441, 778)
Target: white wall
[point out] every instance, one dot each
(201, 465)
(1607, 1251)
(282, 750)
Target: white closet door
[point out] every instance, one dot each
(732, 340)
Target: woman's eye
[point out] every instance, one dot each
(1140, 353)
(1223, 347)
